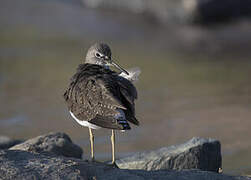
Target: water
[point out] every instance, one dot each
(192, 83)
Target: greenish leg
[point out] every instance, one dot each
(92, 144)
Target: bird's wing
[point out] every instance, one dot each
(109, 122)
(128, 90)
(129, 93)
(90, 96)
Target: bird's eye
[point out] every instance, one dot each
(98, 55)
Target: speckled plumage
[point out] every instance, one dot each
(95, 93)
(99, 97)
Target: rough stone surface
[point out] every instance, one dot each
(6, 142)
(55, 143)
(198, 153)
(16, 164)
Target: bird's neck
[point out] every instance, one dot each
(98, 64)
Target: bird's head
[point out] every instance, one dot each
(100, 54)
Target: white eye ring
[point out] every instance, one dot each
(98, 55)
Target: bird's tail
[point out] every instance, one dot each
(124, 124)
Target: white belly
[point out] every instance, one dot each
(85, 123)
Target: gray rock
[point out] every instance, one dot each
(198, 153)
(26, 165)
(207, 11)
(56, 143)
(188, 11)
(6, 142)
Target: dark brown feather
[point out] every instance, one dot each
(95, 93)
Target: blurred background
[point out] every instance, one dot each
(194, 55)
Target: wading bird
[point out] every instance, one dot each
(98, 97)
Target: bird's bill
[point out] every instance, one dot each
(119, 67)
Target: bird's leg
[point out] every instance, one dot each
(92, 141)
(113, 147)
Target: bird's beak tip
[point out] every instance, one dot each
(119, 67)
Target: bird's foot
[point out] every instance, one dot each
(113, 164)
